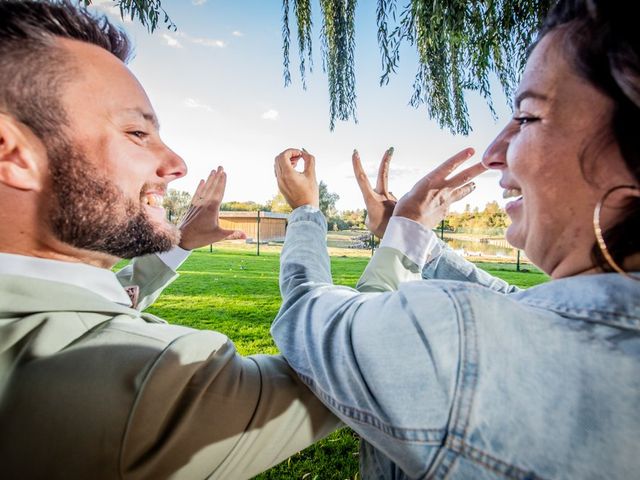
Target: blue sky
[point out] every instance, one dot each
(217, 87)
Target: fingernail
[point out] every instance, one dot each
(390, 151)
(304, 150)
(473, 186)
(355, 152)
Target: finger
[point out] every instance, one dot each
(383, 172)
(361, 176)
(466, 175)
(283, 160)
(461, 192)
(449, 165)
(220, 185)
(197, 195)
(233, 234)
(309, 163)
(207, 189)
(199, 188)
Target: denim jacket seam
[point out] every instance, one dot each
(466, 380)
(489, 461)
(621, 320)
(428, 436)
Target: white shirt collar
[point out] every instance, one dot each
(99, 280)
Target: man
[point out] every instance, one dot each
(90, 387)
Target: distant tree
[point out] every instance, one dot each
(460, 45)
(176, 203)
(354, 218)
(327, 200)
(234, 206)
(278, 204)
(491, 217)
(335, 223)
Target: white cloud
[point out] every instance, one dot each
(110, 8)
(237, 33)
(205, 42)
(193, 103)
(197, 3)
(208, 42)
(172, 42)
(271, 114)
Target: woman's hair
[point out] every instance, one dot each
(33, 65)
(602, 40)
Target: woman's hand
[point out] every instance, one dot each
(200, 225)
(298, 188)
(428, 201)
(379, 201)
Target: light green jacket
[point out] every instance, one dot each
(90, 389)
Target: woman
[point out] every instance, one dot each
(461, 375)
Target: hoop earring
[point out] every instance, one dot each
(598, 231)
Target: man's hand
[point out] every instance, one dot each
(379, 201)
(298, 188)
(429, 200)
(200, 225)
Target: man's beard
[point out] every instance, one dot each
(88, 211)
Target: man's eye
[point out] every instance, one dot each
(139, 134)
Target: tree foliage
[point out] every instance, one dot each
(278, 204)
(235, 206)
(327, 200)
(147, 12)
(176, 203)
(491, 218)
(459, 43)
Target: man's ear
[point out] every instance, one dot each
(23, 156)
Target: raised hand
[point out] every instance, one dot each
(200, 225)
(429, 200)
(298, 188)
(379, 201)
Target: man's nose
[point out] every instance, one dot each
(172, 166)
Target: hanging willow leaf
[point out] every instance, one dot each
(302, 10)
(286, 40)
(460, 45)
(338, 47)
(147, 12)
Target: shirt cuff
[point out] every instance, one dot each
(174, 257)
(411, 239)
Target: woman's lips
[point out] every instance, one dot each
(514, 205)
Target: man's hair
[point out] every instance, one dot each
(33, 65)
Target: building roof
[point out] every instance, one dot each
(254, 214)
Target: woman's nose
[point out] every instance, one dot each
(495, 154)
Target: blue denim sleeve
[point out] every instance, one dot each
(376, 360)
(451, 266)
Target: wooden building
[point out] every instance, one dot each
(259, 226)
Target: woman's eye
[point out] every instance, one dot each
(524, 120)
(138, 134)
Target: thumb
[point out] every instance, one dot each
(233, 234)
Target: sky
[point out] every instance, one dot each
(217, 87)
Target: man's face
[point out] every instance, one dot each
(109, 169)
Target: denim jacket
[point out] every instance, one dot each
(459, 375)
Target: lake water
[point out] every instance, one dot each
(479, 249)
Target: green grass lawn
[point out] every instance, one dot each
(236, 293)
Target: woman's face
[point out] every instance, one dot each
(555, 162)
